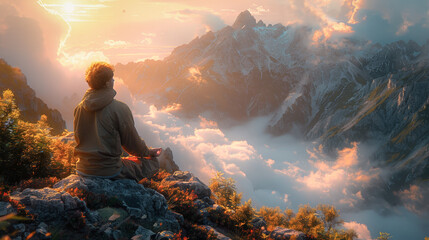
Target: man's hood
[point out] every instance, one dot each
(96, 99)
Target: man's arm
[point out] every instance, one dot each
(130, 139)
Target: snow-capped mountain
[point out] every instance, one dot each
(335, 93)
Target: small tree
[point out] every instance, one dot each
(307, 221)
(330, 216)
(244, 213)
(224, 191)
(274, 217)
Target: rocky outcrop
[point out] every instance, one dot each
(109, 204)
(120, 209)
(31, 106)
(188, 182)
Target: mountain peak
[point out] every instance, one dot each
(244, 19)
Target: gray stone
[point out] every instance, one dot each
(187, 182)
(219, 235)
(139, 202)
(258, 222)
(19, 227)
(143, 234)
(47, 204)
(280, 233)
(166, 161)
(116, 234)
(5, 209)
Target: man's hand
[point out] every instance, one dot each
(155, 152)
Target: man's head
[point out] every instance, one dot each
(98, 74)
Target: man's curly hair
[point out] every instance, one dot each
(98, 74)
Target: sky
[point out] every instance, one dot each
(54, 41)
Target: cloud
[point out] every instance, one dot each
(31, 39)
(258, 10)
(210, 20)
(361, 230)
(415, 198)
(115, 44)
(347, 157)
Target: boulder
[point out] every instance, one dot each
(138, 201)
(5, 209)
(48, 204)
(280, 233)
(187, 182)
(166, 161)
(219, 235)
(55, 206)
(259, 222)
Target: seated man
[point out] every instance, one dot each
(102, 126)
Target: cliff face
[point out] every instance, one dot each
(31, 106)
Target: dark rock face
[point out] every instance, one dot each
(31, 106)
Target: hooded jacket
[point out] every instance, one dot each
(102, 126)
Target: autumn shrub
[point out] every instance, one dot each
(37, 183)
(224, 191)
(178, 200)
(244, 214)
(25, 148)
(273, 217)
(194, 232)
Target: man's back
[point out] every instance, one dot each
(102, 124)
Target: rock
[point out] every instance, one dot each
(179, 217)
(143, 234)
(187, 182)
(5, 209)
(219, 235)
(166, 161)
(48, 204)
(19, 227)
(164, 235)
(258, 222)
(139, 202)
(116, 234)
(280, 233)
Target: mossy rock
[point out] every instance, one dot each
(112, 214)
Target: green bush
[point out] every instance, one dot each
(25, 148)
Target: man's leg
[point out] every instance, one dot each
(143, 168)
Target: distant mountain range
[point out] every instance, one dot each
(336, 93)
(31, 107)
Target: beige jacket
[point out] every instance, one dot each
(103, 125)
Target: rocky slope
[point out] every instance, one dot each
(31, 106)
(334, 93)
(106, 209)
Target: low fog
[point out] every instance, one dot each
(283, 171)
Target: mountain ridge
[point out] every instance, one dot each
(31, 107)
(335, 93)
